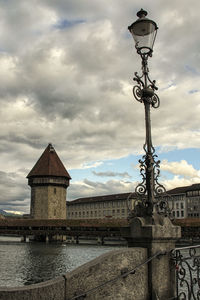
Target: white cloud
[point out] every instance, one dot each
(178, 181)
(181, 168)
(89, 166)
(184, 174)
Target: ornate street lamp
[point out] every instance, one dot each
(149, 191)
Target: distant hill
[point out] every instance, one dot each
(6, 214)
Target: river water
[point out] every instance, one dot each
(28, 263)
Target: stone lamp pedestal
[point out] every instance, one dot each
(156, 234)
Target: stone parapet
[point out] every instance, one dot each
(50, 290)
(108, 268)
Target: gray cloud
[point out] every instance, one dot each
(92, 188)
(14, 191)
(111, 174)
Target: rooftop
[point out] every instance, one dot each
(49, 164)
(122, 196)
(184, 189)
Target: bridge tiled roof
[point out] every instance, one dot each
(7, 222)
(49, 164)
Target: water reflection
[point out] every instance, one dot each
(28, 263)
(42, 262)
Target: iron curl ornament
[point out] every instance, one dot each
(187, 265)
(151, 195)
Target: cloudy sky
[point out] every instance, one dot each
(66, 70)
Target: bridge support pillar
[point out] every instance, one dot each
(72, 239)
(100, 240)
(64, 238)
(23, 239)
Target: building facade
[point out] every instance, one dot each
(100, 207)
(184, 202)
(48, 180)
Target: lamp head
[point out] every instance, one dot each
(144, 33)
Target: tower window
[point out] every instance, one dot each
(54, 190)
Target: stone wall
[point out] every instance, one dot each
(48, 202)
(49, 290)
(56, 202)
(107, 267)
(39, 203)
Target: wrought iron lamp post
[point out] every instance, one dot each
(144, 32)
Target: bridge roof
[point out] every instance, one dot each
(49, 164)
(64, 223)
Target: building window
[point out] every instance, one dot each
(123, 211)
(177, 214)
(182, 213)
(182, 205)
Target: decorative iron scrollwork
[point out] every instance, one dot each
(187, 266)
(145, 90)
(137, 92)
(151, 195)
(155, 101)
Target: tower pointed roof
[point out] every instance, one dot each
(49, 164)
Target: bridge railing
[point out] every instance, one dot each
(187, 265)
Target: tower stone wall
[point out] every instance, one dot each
(48, 202)
(48, 181)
